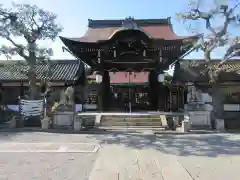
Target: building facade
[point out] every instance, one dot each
(132, 47)
(196, 98)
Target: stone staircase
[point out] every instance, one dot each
(151, 121)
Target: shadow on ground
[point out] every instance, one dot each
(193, 144)
(211, 145)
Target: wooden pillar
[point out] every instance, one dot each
(100, 96)
(101, 92)
(160, 86)
(104, 92)
(161, 95)
(153, 89)
(1, 94)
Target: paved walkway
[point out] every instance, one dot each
(119, 156)
(117, 162)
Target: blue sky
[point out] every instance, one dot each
(73, 15)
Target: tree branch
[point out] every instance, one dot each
(19, 50)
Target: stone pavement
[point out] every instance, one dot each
(122, 163)
(46, 166)
(119, 155)
(198, 157)
(17, 147)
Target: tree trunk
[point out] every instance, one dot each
(218, 104)
(32, 82)
(32, 71)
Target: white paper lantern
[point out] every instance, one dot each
(161, 78)
(98, 78)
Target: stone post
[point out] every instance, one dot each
(220, 125)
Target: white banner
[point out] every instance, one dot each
(31, 107)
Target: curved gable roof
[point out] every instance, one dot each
(100, 30)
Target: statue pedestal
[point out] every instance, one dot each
(63, 119)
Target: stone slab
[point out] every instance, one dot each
(49, 147)
(123, 163)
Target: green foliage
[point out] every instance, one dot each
(91, 81)
(31, 23)
(167, 78)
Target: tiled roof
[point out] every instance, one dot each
(191, 71)
(69, 69)
(61, 70)
(229, 66)
(155, 28)
(118, 22)
(125, 77)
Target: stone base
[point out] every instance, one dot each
(13, 122)
(63, 119)
(77, 124)
(200, 118)
(45, 123)
(220, 125)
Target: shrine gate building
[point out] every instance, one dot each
(132, 48)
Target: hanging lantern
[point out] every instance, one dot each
(98, 78)
(144, 53)
(161, 77)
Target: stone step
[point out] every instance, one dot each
(137, 117)
(136, 121)
(137, 128)
(150, 119)
(130, 123)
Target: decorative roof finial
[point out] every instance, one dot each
(129, 23)
(129, 18)
(169, 20)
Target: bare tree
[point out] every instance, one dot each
(215, 17)
(32, 24)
